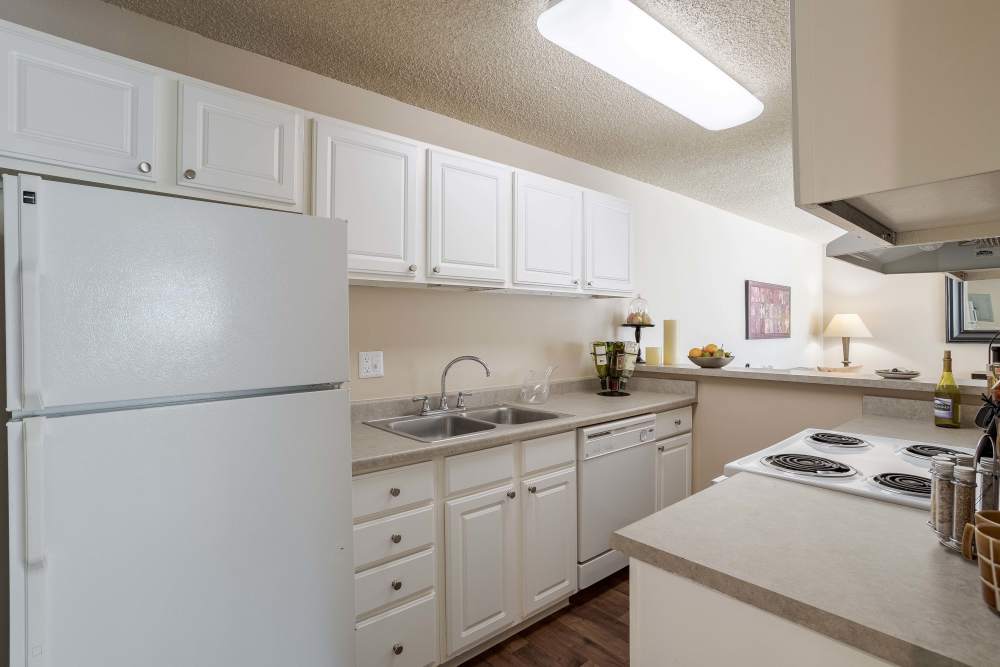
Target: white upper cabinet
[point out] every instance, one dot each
(76, 107)
(548, 230)
(480, 565)
(607, 243)
(239, 144)
(468, 218)
(549, 539)
(370, 180)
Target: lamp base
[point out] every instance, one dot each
(840, 369)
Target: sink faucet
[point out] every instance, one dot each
(444, 376)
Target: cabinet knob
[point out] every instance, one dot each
(397, 648)
(532, 489)
(677, 422)
(394, 492)
(576, 281)
(436, 269)
(511, 495)
(145, 167)
(661, 448)
(190, 174)
(413, 268)
(590, 283)
(396, 584)
(396, 538)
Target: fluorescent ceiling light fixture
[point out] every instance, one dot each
(631, 45)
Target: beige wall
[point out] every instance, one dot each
(691, 258)
(905, 314)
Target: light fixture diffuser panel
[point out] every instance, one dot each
(632, 46)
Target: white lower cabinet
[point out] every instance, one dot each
(402, 637)
(481, 565)
(548, 539)
(673, 470)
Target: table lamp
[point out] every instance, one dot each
(846, 326)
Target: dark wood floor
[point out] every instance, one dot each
(591, 632)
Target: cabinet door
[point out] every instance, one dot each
(480, 565)
(468, 218)
(549, 539)
(607, 239)
(673, 470)
(548, 226)
(237, 143)
(76, 107)
(370, 181)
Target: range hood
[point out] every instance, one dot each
(950, 226)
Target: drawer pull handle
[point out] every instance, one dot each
(511, 495)
(394, 492)
(532, 489)
(396, 584)
(396, 538)
(677, 422)
(661, 448)
(397, 648)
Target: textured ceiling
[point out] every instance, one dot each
(484, 62)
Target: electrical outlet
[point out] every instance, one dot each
(370, 364)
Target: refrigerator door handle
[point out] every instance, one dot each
(31, 277)
(34, 491)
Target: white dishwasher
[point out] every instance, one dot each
(616, 487)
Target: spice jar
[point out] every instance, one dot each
(965, 500)
(944, 497)
(986, 485)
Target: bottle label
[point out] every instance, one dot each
(602, 360)
(943, 408)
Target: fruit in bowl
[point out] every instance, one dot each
(710, 356)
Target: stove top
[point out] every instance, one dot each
(874, 467)
(807, 464)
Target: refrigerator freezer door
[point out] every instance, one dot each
(119, 296)
(213, 533)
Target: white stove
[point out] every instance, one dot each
(888, 469)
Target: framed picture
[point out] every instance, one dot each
(769, 310)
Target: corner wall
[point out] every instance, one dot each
(691, 258)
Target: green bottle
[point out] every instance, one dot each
(947, 403)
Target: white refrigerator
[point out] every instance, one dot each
(178, 459)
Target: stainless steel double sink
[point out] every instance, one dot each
(456, 423)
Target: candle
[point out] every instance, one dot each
(652, 356)
(669, 342)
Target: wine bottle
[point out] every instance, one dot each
(947, 398)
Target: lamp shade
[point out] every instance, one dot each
(847, 325)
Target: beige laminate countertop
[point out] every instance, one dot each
(860, 380)
(374, 449)
(864, 572)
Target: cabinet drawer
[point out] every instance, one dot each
(394, 581)
(393, 535)
(403, 637)
(392, 489)
(467, 471)
(673, 422)
(548, 452)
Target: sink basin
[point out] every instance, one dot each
(434, 427)
(507, 414)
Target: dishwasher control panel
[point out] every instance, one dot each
(614, 436)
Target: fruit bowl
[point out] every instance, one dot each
(711, 362)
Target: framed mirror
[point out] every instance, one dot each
(972, 309)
